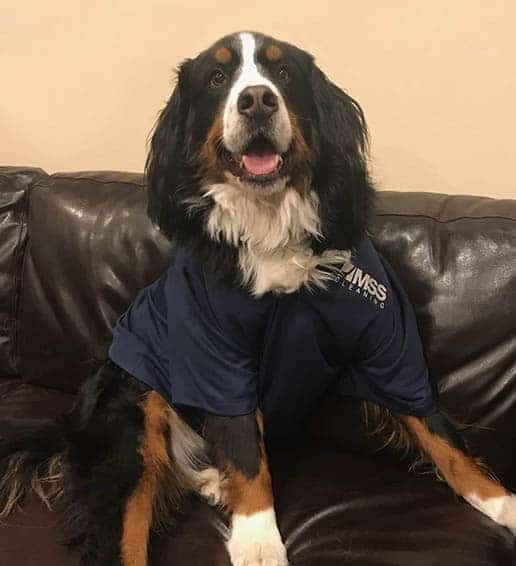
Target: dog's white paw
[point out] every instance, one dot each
(209, 485)
(507, 515)
(255, 541)
(501, 509)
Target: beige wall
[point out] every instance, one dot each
(81, 82)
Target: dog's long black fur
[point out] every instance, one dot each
(102, 463)
(97, 464)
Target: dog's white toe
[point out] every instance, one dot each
(508, 513)
(258, 554)
(501, 509)
(256, 541)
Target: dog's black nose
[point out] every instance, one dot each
(257, 102)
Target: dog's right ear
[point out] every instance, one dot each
(167, 169)
(341, 177)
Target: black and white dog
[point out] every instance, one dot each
(257, 170)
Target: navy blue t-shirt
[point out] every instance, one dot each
(214, 348)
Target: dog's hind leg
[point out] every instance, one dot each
(119, 473)
(139, 513)
(439, 442)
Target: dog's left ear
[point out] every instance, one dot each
(341, 177)
(167, 170)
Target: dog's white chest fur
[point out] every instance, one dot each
(272, 234)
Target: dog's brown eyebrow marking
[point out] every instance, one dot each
(223, 55)
(273, 53)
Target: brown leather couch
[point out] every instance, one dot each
(76, 247)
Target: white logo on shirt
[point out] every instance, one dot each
(364, 284)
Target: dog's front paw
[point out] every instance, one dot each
(256, 541)
(508, 513)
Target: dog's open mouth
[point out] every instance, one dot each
(260, 158)
(260, 162)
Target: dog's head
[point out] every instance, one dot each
(257, 113)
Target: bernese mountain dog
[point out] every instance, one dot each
(274, 296)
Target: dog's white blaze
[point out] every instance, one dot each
(501, 509)
(255, 539)
(250, 75)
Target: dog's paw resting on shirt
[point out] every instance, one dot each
(256, 541)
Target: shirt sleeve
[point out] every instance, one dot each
(389, 367)
(213, 340)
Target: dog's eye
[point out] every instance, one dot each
(217, 78)
(283, 74)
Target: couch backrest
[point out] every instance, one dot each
(456, 256)
(76, 247)
(91, 248)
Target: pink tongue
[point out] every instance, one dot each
(261, 164)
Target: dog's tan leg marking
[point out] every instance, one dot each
(248, 496)
(138, 511)
(255, 539)
(465, 476)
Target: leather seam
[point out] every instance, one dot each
(10, 327)
(97, 181)
(19, 274)
(18, 270)
(401, 215)
(457, 219)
